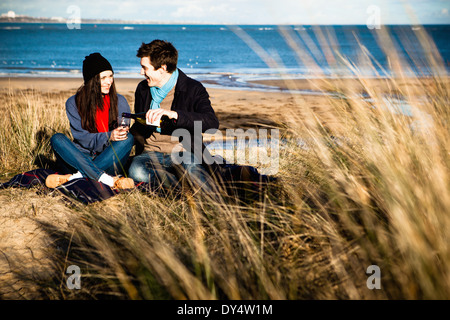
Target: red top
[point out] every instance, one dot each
(102, 116)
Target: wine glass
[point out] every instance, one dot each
(123, 122)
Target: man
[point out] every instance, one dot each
(182, 103)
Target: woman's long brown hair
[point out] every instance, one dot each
(89, 97)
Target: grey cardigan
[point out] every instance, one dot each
(87, 142)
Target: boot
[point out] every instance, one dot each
(55, 180)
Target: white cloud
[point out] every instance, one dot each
(189, 11)
(236, 11)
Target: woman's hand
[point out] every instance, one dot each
(120, 133)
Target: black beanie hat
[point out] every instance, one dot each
(93, 64)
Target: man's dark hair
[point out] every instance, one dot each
(160, 52)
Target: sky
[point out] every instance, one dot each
(294, 12)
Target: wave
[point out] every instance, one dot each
(10, 28)
(25, 69)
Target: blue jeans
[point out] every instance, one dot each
(160, 169)
(111, 161)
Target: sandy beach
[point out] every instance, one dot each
(241, 108)
(234, 108)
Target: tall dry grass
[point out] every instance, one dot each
(379, 173)
(369, 186)
(29, 119)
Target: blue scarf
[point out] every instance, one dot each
(158, 94)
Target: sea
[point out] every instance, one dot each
(222, 55)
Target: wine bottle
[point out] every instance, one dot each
(140, 117)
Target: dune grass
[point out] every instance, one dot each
(28, 120)
(369, 186)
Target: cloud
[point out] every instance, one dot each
(189, 11)
(201, 11)
(237, 11)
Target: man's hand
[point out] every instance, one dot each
(156, 114)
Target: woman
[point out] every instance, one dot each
(100, 147)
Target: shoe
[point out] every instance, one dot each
(123, 183)
(55, 180)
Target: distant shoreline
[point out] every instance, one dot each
(61, 20)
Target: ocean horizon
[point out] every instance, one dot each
(214, 53)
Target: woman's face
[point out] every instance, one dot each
(106, 80)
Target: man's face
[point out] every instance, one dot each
(106, 81)
(154, 77)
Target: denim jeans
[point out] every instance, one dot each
(160, 169)
(111, 161)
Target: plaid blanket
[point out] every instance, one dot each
(84, 190)
(90, 191)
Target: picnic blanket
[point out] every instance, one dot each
(90, 191)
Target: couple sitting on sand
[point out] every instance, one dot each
(101, 147)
